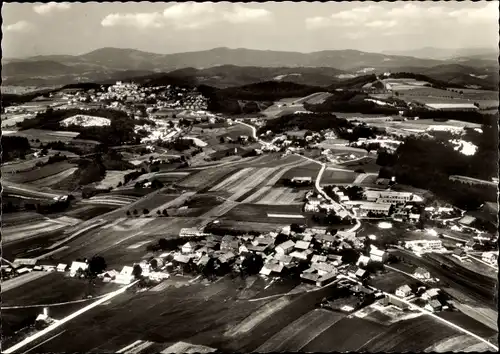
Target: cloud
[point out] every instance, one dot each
(404, 16)
(382, 24)
(139, 20)
(47, 8)
(317, 22)
(20, 26)
(241, 14)
(187, 16)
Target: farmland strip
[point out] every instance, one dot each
(252, 180)
(271, 182)
(51, 180)
(231, 179)
(304, 329)
(210, 184)
(179, 200)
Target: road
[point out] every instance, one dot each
(320, 190)
(38, 335)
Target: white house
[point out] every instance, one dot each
(378, 255)
(188, 247)
(490, 257)
(75, 266)
(363, 261)
(61, 267)
(125, 276)
(403, 291)
(302, 245)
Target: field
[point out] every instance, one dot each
(45, 175)
(206, 177)
(51, 288)
(259, 213)
(389, 281)
(310, 169)
(112, 179)
(20, 218)
(111, 200)
(338, 177)
(46, 136)
(86, 212)
(19, 191)
(283, 196)
(35, 228)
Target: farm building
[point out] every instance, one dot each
(451, 106)
(285, 247)
(108, 275)
(403, 291)
(324, 268)
(317, 258)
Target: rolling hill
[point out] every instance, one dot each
(225, 67)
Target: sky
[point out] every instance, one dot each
(76, 28)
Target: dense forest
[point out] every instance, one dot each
(14, 147)
(427, 162)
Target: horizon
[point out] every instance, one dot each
(168, 28)
(382, 51)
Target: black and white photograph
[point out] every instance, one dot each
(249, 177)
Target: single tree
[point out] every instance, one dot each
(137, 271)
(154, 264)
(145, 211)
(128, 212)
(165, 213)
(135, 212)
(97, 265)
(158, 212)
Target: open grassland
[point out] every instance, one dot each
(283, 196)
(28, 192)
(58, 171)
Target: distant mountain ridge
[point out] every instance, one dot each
(221, 67)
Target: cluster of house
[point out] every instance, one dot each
(430, 296)
(278, 258)
(316, 202)
(490, 257)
